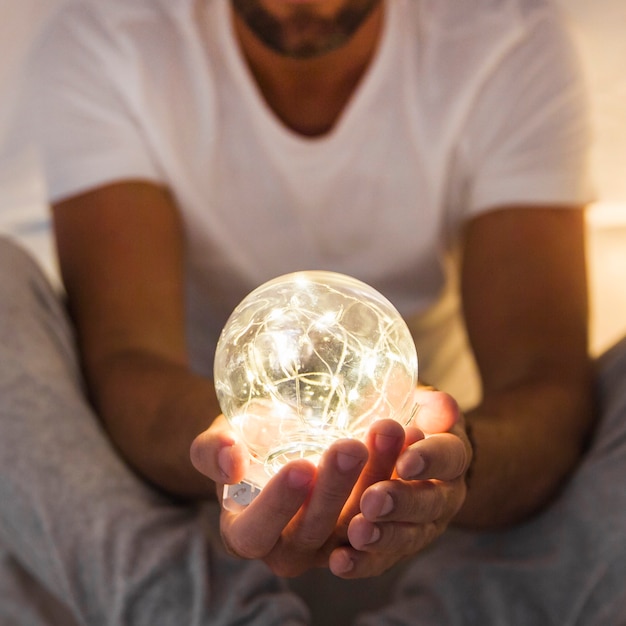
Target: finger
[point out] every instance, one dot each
(337, 473)
(348, 563)
(444, 456)
(417, 502)
(384, 441)
(437, 411)
(254, 532)
(218, 453)
(395, 538)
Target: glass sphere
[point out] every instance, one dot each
(309, 358)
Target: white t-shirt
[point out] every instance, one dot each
(467, 106)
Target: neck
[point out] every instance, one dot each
(308, 95)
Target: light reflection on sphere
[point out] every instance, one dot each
(309, 358)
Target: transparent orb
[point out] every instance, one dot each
(309, 358)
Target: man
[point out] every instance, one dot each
(199, 149)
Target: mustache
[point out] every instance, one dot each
(319, 35)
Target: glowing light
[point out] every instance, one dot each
(306, 359)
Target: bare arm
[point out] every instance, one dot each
(121, 256)
(525, 304)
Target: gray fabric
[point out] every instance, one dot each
(75, 523)
(83, 542)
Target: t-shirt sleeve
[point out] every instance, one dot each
(77, 111)
(527, 139)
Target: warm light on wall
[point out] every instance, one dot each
(607, 214)
(598, 28)
(607, 273)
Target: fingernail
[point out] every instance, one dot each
(375, 536)
(385, 442)
(347, 462)
(225, 462)
(387, 506)
(298, 479)
(346, 565)
(415, 466)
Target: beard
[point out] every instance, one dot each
(304, 34)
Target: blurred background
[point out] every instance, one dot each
(598, 27)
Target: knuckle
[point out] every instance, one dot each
(429, 533)
(421, 536)
(424, 505)
(311, 537)
(435, 503)
(457, 459)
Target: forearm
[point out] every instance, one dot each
(527, 440)
(152, 409)
(525, 305)
(122, 255)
